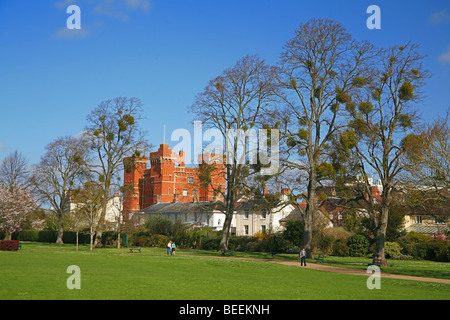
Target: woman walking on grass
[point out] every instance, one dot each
(173, 248)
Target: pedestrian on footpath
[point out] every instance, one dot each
(302, 257)
(169, 248)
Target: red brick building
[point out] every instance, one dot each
(168, 180)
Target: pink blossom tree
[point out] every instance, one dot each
(14, 205)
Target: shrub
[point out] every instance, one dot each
(294, 232)
(340, 248)
(392, 249)
(210, 244)
(422, 246)
(29, 235)
(358, 245)
(437, 251)
(47, 236)
(9, 245)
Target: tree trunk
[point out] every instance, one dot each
(229, 210)
(92, 239)
(59, 239)
(77, 242)
(226, 232)
(309, 216)
(381, 236)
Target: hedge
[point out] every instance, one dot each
(9, 245)
(51, 236)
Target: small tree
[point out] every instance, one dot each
(14, 171)
(61, 169)
(88, 202)
(113, 132)
(14, 205)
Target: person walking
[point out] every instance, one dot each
(173, 248)
(169, 248)
(302, 257)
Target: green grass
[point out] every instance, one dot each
(39, 272)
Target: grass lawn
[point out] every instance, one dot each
(39, 272)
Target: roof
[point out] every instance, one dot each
(294, 215)
(253, 204)
(427, 229)
(184, 207)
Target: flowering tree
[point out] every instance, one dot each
(14, 205)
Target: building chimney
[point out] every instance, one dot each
(265, 191)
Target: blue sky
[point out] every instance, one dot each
(165, 52)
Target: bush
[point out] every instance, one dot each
(340, 248)
(9, 245)
(109, 238)
(210, 244)
(392, 249)
(294, 232)
(437, 250)
(47, 236)
(421, 246)
(358, 245)
(29, 235)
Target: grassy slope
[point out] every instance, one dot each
(39, 272)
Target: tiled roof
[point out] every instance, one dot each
(184, 207)
(427, 229)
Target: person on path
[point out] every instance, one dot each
(302, 257)
(173, 248)
(169, 247)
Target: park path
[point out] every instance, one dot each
(321, 267)
(358, 272)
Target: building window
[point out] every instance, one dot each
(194, 192)
(418, 219)
(190, 180)
(219, 222)
(263, 229)
(246, 212)
(184, 192)
(264, 214)
(246, 230)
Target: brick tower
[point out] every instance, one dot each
(134, 169)
(168, 180)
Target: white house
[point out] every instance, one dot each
(254, 216)
(198, 214)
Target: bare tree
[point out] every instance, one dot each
(233, 103)
(14, 171)
(379, 123)
(114, 133)
(321, 67)
(88, 202)
(427, 168)
(59, 171)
